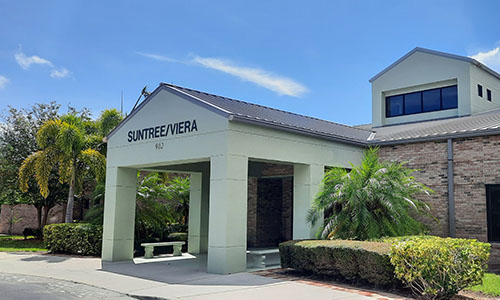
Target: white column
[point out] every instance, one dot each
(119, 214)
(227, 237)
(306, 182)
(195, 210)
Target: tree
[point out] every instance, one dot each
(178, 195)
(372, 200)
(64, 146)
(17, 142)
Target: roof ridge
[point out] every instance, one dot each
(267, 107)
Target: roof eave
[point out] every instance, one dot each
(177, 92)
(458, 135)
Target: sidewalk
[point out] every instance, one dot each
(173, 280)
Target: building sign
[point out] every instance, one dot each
(162, 131)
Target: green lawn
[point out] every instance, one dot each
(16, 243)
(490, 286)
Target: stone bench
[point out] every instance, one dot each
(150, 247)
(259, 256)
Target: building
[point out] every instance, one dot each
(255, 170)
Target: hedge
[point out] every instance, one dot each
(438, 268)
(73, 238)
(350, 260)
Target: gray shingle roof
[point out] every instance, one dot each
(478, 124)
(263, 115)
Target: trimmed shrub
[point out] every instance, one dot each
(73, 238)
(178, 236)
(438, 268)
(350, 260)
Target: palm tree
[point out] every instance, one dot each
(372, 200)
(64, 145)
(178, 193)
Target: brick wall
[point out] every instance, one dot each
(252, 212)
(270, 202)
(476, 163)
(430, 159)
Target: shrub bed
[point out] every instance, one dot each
(73, 238)
(350, 260)
(438, 268)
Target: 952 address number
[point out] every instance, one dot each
(159, 146)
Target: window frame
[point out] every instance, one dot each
(421, 92)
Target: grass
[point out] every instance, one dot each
(16, 243)
(490, 286)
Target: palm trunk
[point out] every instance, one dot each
(71, 196)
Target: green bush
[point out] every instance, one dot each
(349, 260)
(178, 236)
(438, 268)
(73, 238)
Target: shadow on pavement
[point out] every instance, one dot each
(192, 271)
(47, 258)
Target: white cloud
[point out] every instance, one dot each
(158, 57)
(26, 61)
(490, 58)
(3, 81)
(276, 83)
(59, 73)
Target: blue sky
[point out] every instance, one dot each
(309, 57)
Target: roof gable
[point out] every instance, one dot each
(241, 111)
(437, 53)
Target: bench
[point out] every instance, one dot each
(259, 256)
(150, 247)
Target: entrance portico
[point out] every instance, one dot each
(214, 139)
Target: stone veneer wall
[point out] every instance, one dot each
(28, 217)
(476, 163)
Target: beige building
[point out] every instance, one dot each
(255, 170)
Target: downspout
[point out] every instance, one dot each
(451, 193)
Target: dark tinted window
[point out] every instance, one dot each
(449, 97)
(431, 100)
(413, 103)
(479, 90)
(488, 95)
(394, 106)
(493, 212)
(423, 101)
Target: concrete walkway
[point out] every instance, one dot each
(178, 279)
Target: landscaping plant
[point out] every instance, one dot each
(73, 238)
(438, 268)
(64, 145)
(372, 200)
(354, 261)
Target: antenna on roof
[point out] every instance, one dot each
(121, 104)
(144, 93)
